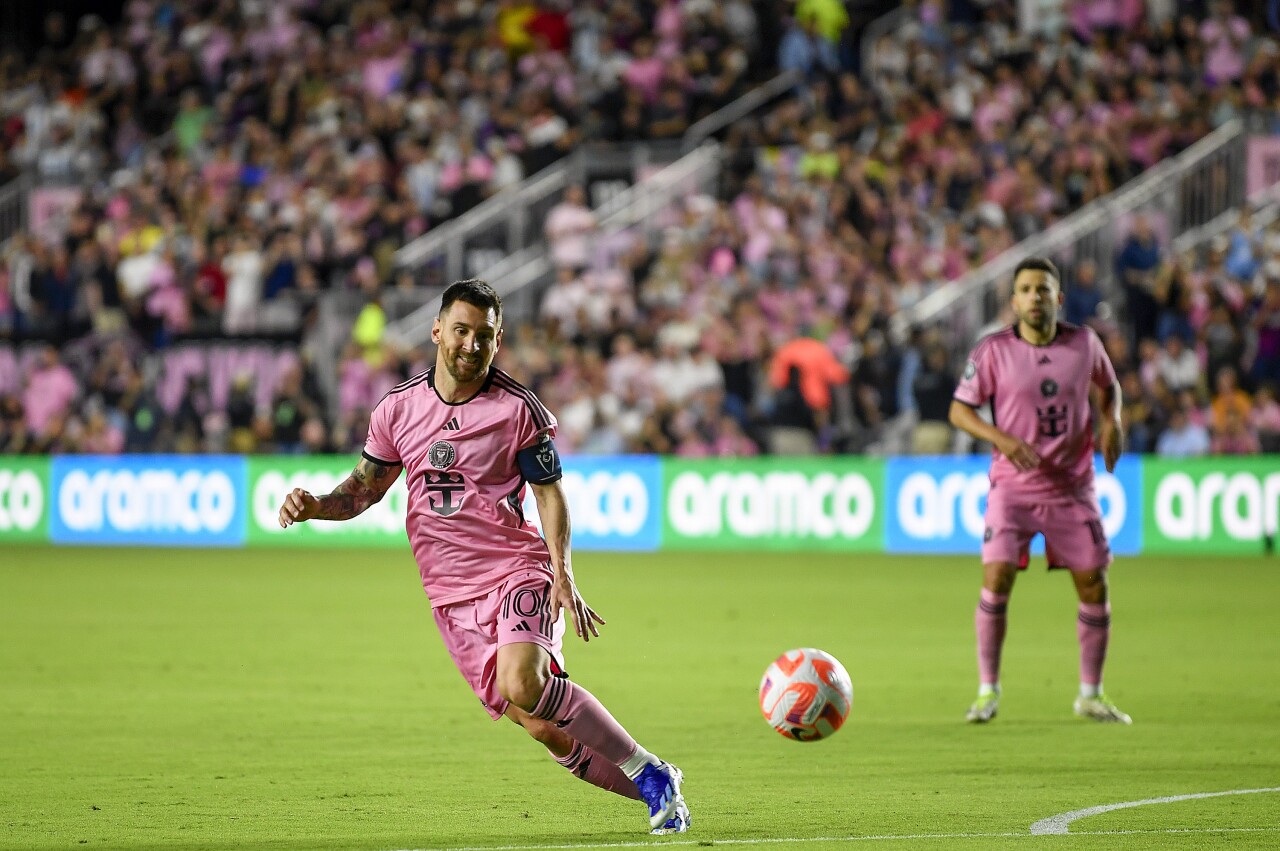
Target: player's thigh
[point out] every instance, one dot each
(529, 636)
(468, 637)
(1074, 537)
(525, 660)
(1010, 525)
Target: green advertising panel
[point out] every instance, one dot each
(776, 503)
(1210, 505)
(270, 479)
(24, 499)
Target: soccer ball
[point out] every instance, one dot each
(806, 694)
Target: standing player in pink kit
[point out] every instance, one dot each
(469, 437)
(1037, 374)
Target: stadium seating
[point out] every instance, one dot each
(274, 159)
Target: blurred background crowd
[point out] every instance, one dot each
(225, 164)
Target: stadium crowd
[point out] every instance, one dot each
(274, 150)
(760, 320)
(306, 145)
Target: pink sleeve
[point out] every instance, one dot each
(525, 433)
(531, 421)
(975, 383)
(379, 446)
(1102, 373)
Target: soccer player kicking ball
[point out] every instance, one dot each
(469, 436)
(1037, 375)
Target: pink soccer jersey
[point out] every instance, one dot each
(465, 521)
(1041, 395)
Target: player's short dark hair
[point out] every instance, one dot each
(475, 292)
(1039, 264)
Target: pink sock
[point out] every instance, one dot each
(576, 711)
(589, 766)
(989, 620)
(1093, 628)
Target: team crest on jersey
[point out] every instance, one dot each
(970, 370)
(441, 455)
(1048, 388)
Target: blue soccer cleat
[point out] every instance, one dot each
(659, 785)
(678, 823)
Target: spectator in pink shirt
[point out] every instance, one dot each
(645, 71)
(730, 442)
(51, 388)
(1265, 418)
(384, 71)
(1224, 36)
(100, 436)
(568, 227)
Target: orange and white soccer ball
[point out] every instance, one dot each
(806, 694)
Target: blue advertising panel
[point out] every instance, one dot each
(615, 501)
(936, 505)
(170, 500)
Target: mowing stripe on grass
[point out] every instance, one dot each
(887, 837)
(1060, 824)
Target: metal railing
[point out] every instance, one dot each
(512, 220)
(696, 170)
(509, 208)
(15, 196)
(1266, 209)
(517, 276)
(874, 31)
(14, 208)
(705, 128)
(509, 221)
(1187, 191)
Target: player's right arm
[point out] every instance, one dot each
(977, 386)
(1017, 450)
(367, 484)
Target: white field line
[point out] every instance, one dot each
(1061, 823)
(797, 840)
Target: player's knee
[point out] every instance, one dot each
(552, 737)
(1091, 586)
(998, 577)
(1000, 585)
(522, 687)
(544, 731)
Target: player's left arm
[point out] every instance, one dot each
(540, 466)
(1109, 402)
(1112, 431)
(553, 510)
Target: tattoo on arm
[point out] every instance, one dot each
(366, 485)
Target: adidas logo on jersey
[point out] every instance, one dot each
(1043, 360)
(452, 425)
(522, 627)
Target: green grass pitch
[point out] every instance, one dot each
(174, 699)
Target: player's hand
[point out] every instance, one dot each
(1019, 452)
(565, 595)
(299, 507)
(1112, 446)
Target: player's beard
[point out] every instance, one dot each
(462, 370)
(1044, 322)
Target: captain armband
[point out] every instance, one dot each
(540, 463)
